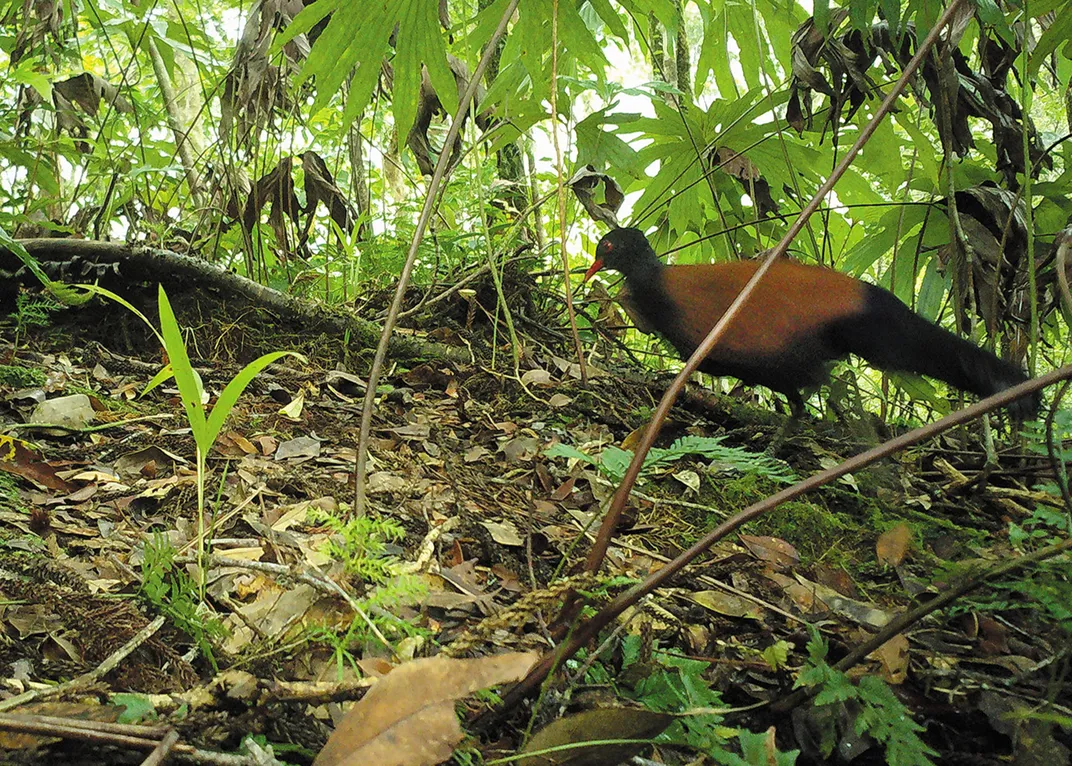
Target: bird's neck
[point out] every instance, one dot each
(647, 289)
(644, 269)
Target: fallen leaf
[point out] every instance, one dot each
(475, 453)
(893, 657)
(690, 479)
(771, 550)
(293, 409)
(589, 727)
(503, 532)
(407, 718)
(564, 490)
(300, 447)
(521, 448)
(892, 545)
(17, 457)
(134, 463)
(383, 482)
(726, 604)
(860, 612)
(536, 378)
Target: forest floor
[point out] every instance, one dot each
(483, 486)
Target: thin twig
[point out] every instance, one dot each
(88, 679)
(430, 199)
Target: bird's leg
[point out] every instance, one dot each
(796, 412)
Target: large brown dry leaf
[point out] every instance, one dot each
(407, 718)
(892, 545)
(590, 726)
(19, 458)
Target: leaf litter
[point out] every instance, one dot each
(479, 493)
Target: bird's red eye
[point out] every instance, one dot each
(605, 247)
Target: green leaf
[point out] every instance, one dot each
(610, 17)
(187, 380)
(138, 708)
(1058, 33)
(564, 450)
(229, 396)
(356, 37)
(419, 43)
(821, 10)
(307, 18)
(758, 749)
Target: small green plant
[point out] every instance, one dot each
(204, 425)
(881, 714)
(175, 594)
(10, 498)
(33, 311)
(1044, 526)
(340, 644)
(671, 684)
(613, 461)
(361, 544)
(20, 377)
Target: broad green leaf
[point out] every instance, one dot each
(420, 42)
(610, 17)
(229, 396)
(1058, 33)
(821, 11)
(932, 291)
(742, 24)
(602, 149)
(666, 11)
(189, 384)
(307, 18)
(355, 40)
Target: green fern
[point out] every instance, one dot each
(881, 714)
(613, 461)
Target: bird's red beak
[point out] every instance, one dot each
(593, 269)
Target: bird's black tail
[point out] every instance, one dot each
(892, 337)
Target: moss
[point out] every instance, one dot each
(817, 533)
(9, 494)
(20, 377)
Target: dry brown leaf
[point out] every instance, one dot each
(633, 438)
(537, 377)
(590, 726)
(893, 656)
(727, 604)
(564, 490)
(860, 612)
(407, 718)
(892, 545)
(19, 458)
(504, 532)
(771, 550)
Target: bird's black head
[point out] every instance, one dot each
(626, 251)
